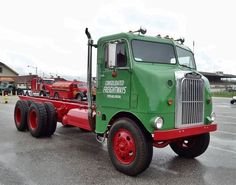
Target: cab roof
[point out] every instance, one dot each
(131, 36)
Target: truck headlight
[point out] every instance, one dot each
(213, 116)
(158, 123)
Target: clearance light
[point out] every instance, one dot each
(170, 101)
(213, 116)
(209, 101)
(158, 123)
(114, 74)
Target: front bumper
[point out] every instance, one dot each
(166, 135)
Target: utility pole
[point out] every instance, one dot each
(193, 46)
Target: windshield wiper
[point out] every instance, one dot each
(183, 65)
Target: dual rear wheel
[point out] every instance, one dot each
(20, 115)
(130, 146)
(40, 119)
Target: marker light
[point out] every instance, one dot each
(213, 116)
(170, 101)
(209, 101)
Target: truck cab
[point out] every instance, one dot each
(41, 86)
(150, 78)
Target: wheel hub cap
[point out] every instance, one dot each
(124, 146)
(18, 116)
(33, 120)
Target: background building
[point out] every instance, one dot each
(6, 71)
(7, 78)
(220, 81)
(10, 78)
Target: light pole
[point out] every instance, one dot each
(35, 67)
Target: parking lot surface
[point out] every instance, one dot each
(72, 156)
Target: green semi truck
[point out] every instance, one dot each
(149, 93)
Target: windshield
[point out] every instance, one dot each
(48, 81)
(82, 85)
(144, 51)
(185, 58)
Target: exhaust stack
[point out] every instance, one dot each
(89, 80)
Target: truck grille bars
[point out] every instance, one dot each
(192, 101)
(189, 102)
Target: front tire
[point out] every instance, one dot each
(191, 147)
(56, 95)
(79, 97)
(130, 148)
(42, 93)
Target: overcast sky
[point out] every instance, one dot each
(49, 34)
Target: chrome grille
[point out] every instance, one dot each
(189, 99)
(192, 101)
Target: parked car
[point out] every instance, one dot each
(7, 89)
(233, 100)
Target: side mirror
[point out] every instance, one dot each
(111, 55)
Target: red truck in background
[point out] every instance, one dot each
(69, 90)
(42, 85)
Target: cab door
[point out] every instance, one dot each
(115, 77)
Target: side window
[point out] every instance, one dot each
(0, 69)
(121, 55)
(106, 56)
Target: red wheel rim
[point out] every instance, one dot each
(33, 120)
(18, 116)
(124, 146)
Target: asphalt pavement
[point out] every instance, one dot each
(72, 156)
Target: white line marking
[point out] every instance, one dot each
(165, 169)
(225, 132)
(225, 116)
(221, 98)
(226, 123)
(221, 149)
(223, 113)
(222, 106)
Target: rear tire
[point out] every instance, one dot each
(79, 97)
(20, 115)
(29, 102)
(51, 119)
(191, 147)
(56, 95)
(130, 148)
(42, 93)
(37, 119)
(232, 101)
(84, 130)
